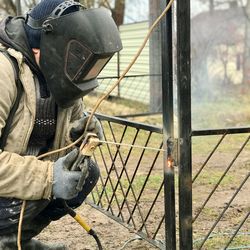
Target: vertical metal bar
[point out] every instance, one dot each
(168, 128)
(184, 117)
(118, 66)
(118, 73)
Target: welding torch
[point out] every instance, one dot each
(86, 150)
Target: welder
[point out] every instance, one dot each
(49, 59)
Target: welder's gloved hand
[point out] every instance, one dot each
(64, 180)
(79, 127)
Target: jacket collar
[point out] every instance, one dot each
(13, 35)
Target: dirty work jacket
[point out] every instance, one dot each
(26, 177)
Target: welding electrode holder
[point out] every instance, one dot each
(86, 150)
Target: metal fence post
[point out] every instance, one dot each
(168, 128)
(184, 117)
(118, 73)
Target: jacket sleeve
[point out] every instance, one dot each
(77, 110)
(77, 113)
(23, 177)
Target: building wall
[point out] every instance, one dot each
(136, 85)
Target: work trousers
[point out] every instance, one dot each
(38, 214)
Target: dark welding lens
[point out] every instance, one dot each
(97, 68)
(77, 57)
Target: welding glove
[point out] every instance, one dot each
(79, 127)
(64, 180)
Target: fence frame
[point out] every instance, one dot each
(168, 128)
(185, 133)
(183, 50)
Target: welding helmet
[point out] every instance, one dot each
(75, 47)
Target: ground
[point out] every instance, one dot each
(113, 236)
(116, 237)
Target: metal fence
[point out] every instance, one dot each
(132, 87)
(189, 191)
(220, 190)
(213, 200)
(130, 189)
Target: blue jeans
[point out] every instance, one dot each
(38, 214)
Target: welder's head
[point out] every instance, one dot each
(36, 16)
(75, 44)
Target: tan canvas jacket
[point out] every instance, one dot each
(26, 177)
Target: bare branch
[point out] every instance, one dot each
(107, 4)
(30, 3)
(8, 6)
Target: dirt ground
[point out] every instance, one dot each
(116, 237)
(113, 236)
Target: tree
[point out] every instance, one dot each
(213, 4)
(16, 7)
(217, 36)
(13, 7)
(117, 8)
(9, 6)
(118, 11)
(246, 60)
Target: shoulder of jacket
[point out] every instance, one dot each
(14, 53)
(7, 79)
(18, 55)
(5, 64)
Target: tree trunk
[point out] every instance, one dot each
(119, 11)
(9, 6)
(246, 61)
(155, 59)
(18, 7)
(211, 6)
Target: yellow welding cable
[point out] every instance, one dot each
(99, 101)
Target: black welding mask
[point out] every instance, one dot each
(74, 49)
